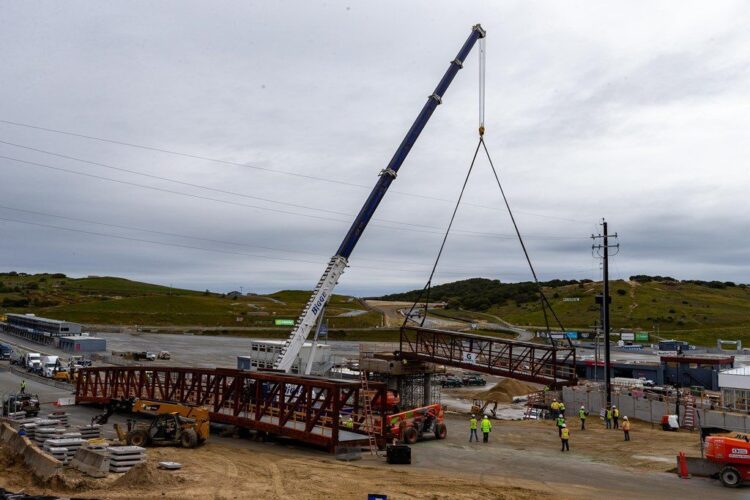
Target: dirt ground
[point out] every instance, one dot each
(522, 461)
(216, 471)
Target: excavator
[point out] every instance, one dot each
(173, 424)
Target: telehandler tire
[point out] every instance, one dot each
(730, 477)
(137, 437)
(441, 431)
(189, 439)
(410, 435)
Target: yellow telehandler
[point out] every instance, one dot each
(173, 424)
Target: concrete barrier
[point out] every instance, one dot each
(42, 465)
(6, 431)
(95, 463)
(18, 444)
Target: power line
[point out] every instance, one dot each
(199, 238)
(257, 207)
(264, 169)
(214, 250)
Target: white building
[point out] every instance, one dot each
(735, 388)
(263, 353)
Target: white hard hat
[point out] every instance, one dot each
(625, 418)
(582, 407)
(472, 415)
(564, 425)
(486, 416)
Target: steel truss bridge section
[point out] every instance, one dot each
(553, 366)
(304, 408)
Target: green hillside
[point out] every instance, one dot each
(697, 311)
(117, 301)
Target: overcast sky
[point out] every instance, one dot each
(283, 113)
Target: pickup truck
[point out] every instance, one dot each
(5, 351)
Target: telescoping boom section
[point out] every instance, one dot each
(307, 409)
(322, 293)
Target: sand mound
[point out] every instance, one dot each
(505, 390)
(146, 475)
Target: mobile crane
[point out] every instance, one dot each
(312, 313)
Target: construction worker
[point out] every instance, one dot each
(626, 427)
(582, 414)
(486, 428)
(350, 423)
(473, 428)
(23, 387)
(608, 418)
(615, 417)
(560, 423)
(555, 408)
(562, 408)
(564, 438)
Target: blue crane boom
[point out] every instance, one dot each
(313, 310)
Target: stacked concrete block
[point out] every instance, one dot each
(90, 431)
(42, 434)
(123, 458)
(29, 428)
(17, 415)
(65, 447)
(59, 416)
(58, 453)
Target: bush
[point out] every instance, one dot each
(621, 291)
(8, 302)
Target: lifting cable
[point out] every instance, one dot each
(542, 297)
(428, 285)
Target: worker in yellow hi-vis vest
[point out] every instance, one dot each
(626, 428)
(565, 438)
(473, 428)
(486, 429)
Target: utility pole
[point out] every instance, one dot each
(606, 299)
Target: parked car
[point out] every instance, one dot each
(451, 381)
(473, 380)
(164, 355)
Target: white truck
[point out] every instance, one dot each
(33, 361)
(49, 365)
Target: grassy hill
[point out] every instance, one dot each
(697, 311)
(117, 301)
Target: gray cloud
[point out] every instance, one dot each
(635, 112)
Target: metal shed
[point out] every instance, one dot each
(82, 344)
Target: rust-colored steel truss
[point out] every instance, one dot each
(553, 366)
(305, 408)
